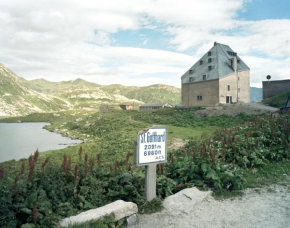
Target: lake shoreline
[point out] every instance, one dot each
(29, 136)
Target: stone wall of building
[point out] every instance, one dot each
(239, 87)
(208, 90)
(244, 86)
(273, 88)
(231, 81)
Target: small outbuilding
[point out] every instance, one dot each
(126, 106)
(273, 88)
(152, 107)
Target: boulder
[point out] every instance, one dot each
(119, 209)
(185, 200)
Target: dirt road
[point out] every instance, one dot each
(257, 208)
(236, 109)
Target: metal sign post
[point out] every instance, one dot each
(151, 149)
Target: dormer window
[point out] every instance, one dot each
(209, 68)
(200, 62)
(209, 53)
(232, 53)
(204, 77)
(209, 60)
(190, 71)
(238, 60)
(191, 79)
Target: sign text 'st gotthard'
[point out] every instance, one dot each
(151, 146)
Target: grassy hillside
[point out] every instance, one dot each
(21, 97)
(113, 133)
(278, 100)
(44, 86)
(148, 94)
(18, 99)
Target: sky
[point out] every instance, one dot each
(140, 42)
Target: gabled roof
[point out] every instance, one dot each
(220, 55)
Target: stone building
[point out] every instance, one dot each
(152, 107)
(220, 76)
(272, 88)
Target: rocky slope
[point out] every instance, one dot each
(20, 97)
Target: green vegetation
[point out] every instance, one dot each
(107, 222)
(277, 101)
(43, 191)
(112, 134)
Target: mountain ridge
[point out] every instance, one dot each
(19, 96)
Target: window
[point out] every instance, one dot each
(209, 68)
(199, 98)
(238, 78)
(238, 61)
(231, 62)
(204, 77)
(200, 62)
(209, 53)
(191, 79)
(229, 88)
(190, 71)
(239, 90)
(232, 53)
(209, 60)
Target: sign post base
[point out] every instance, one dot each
(150, 181)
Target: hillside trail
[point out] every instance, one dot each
(236, 109)
(256, 208)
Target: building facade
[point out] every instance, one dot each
(220, 76)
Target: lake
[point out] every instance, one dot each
(20, 140)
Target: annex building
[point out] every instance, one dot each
(220, 76)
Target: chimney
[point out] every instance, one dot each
(215, 43)
(233, 63)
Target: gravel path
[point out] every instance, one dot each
(257, 208)
(262, 106)
(236, 109)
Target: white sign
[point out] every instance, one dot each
(151, 145)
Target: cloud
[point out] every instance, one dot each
(145, 41)
(102, 38)
(261, 67)
(66, 39)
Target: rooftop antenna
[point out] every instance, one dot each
(268, 77)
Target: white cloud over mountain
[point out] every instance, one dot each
(67, 39)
